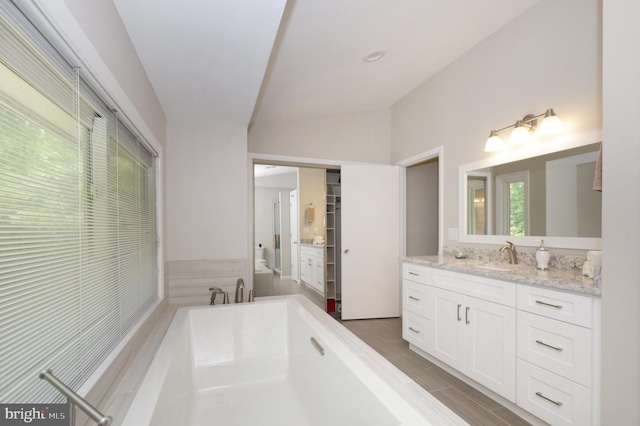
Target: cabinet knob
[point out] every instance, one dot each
(346, 251)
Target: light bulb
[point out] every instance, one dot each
(520, 134)
(494, 143)
(551, 124)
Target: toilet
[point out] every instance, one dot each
(260, 256)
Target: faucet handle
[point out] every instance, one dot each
(511, 245)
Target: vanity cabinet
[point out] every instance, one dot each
(536, 347)
(415, 306)
(473, 335)
(312, 267)
(555, 355)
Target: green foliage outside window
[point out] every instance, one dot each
(516, 208)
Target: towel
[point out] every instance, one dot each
(310, 214)
(597, 179)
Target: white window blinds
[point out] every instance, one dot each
(77, 220)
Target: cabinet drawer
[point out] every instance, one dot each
(417, 273)
(561, 348)
(568, 307)
(415, 330)
(415, 298)
(501, 292)
(554, 399)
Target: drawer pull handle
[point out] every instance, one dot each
(414, 273)
(459, 317)
(541, 395)
(540, 342)
(466, 315)
(540, 302)
(414, 298)
(414, 330)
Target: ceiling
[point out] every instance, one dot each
(215, 60)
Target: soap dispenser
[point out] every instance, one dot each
(543, 256)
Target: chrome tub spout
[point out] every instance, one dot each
(239, 291)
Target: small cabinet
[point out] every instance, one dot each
(415, 306)
(555, 355)
(476, 337)
(312, 267)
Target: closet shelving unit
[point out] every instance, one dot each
(332, 244)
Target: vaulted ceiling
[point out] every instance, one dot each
(238, 61)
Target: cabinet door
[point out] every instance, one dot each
(490, 345)
(447, 327)
(319, 273)
(305, 266)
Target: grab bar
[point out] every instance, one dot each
(76, 399)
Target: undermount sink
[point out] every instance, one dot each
(492, 268)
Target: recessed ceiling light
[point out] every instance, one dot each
(374, 56)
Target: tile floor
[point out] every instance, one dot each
(385, 336)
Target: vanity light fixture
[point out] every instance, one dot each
(523, 129)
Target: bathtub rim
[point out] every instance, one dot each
(418, 399)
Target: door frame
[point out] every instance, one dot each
(438, 153)
(285, 160)
(253, 158)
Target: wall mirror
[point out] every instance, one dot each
(531, 194)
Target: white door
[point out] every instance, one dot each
(293, 218)
(370, 241)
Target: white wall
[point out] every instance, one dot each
(206, 200)
(621, 201)
(422, 209)
(311, 193)
(548, 57)
(359, 136)
(102, 25)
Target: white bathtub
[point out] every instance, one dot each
(255, 364)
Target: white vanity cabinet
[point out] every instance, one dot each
(535, 346)
(471, 332)
(415, 306)
(556, 355)
(312, 267)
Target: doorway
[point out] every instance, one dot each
(289, 206)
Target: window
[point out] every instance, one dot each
(512, 203)
(77, 220)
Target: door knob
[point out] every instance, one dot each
(346, 251)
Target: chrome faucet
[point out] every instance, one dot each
(239, 291)
(216, 291)
(511, 249)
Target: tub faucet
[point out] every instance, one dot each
(511, 250)
(239, 291)
(216, 290)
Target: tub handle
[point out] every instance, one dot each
(317, 345)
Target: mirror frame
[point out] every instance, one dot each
(536, 148)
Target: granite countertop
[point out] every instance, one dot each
(309, 243)
(569, 280)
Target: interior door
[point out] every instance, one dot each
(370, 241)
(293, 218)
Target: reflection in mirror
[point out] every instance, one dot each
(477, 214)
(548, 195)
